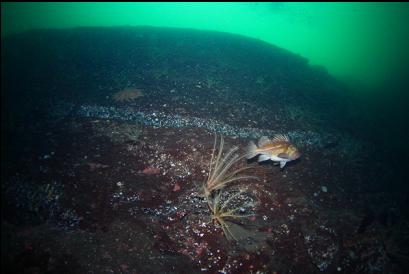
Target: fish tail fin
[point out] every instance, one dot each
(251, 150)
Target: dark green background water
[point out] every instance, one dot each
(366, 42)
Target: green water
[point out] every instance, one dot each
(365, 43)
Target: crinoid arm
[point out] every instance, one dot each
(220, 174)
(225, 225)
(221, 214)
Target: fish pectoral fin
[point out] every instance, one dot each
(263, 157)
(283, 155)
(282, 164)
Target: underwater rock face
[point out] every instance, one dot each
(321, 247)
(102, 184)
(255, 78)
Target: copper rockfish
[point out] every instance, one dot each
(279, 149)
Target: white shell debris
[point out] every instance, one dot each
(161, 119)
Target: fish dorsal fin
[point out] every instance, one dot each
(281, 138)
(264, 140)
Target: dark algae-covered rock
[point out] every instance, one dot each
(110, 164)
